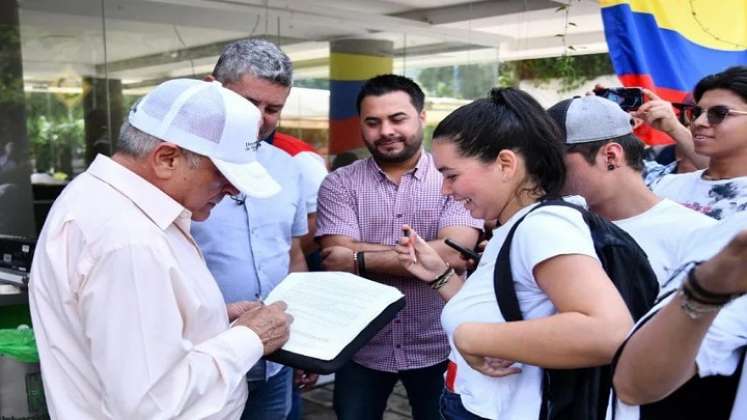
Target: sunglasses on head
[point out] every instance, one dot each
(714, 115)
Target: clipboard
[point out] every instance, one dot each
(312, 364)
(335, 314)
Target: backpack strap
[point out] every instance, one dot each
(503, 279)
(618, 353)
(641, 322)
(505, 291)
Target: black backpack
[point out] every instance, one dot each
(583, 394)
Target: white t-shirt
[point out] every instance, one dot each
(660, 232)
(719, 352)
(717, 199)
(545, 233)
(722, 348)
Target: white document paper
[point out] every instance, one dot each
(329, 309)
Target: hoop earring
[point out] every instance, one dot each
(610, 167)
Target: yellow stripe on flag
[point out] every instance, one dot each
(717, 24)
(345, 67)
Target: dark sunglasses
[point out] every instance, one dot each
(715, 114)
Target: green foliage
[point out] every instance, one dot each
(571, 70)
(11, 90)
(11, 86)
(469, 81)
(54, 142)
(473, 81)
(56, 133)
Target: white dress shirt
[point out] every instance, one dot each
(128, 320)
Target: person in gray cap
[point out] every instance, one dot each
(604, 160)
(128, 320)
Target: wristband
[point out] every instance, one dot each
(697, 301)
(696, 292)
(361, 263)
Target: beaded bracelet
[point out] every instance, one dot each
(441, 280)
(697, 301)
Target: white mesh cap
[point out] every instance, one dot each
(207, 119)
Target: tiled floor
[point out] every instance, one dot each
(318, 404)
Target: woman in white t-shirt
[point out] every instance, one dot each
(501, 156)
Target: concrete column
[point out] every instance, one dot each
(351, 63)
(16, 208)
(102, 113)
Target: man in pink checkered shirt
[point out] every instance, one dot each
(361, 210)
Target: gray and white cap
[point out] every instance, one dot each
(210, 120)
(590, 118)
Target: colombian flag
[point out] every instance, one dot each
(668, 45)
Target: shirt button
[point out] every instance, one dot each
(398, 346)
(397, 321)
(399, 215)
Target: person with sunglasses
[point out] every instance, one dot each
(677, 158)
(718, 124)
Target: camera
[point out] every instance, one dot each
(629, 99)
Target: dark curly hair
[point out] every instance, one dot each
(388, 83)
(733, 79)
(509, 119)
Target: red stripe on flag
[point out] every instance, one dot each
(344, 135)
(645, 81)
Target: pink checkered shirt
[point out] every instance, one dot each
(361, 202)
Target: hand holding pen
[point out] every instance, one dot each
(408, 232)
(418, 257)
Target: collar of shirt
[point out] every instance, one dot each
(270, 138)
(154, 203)
(418, 172)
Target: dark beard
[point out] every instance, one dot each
(410, 149)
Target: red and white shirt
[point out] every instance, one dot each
(310, 163)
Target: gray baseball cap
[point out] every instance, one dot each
(590, 118)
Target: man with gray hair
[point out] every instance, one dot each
(251, 244)
(128, 320)
(262, 73)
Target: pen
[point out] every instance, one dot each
(406, 231)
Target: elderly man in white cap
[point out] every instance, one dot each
(128, 320)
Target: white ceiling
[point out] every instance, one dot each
(145, 40)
